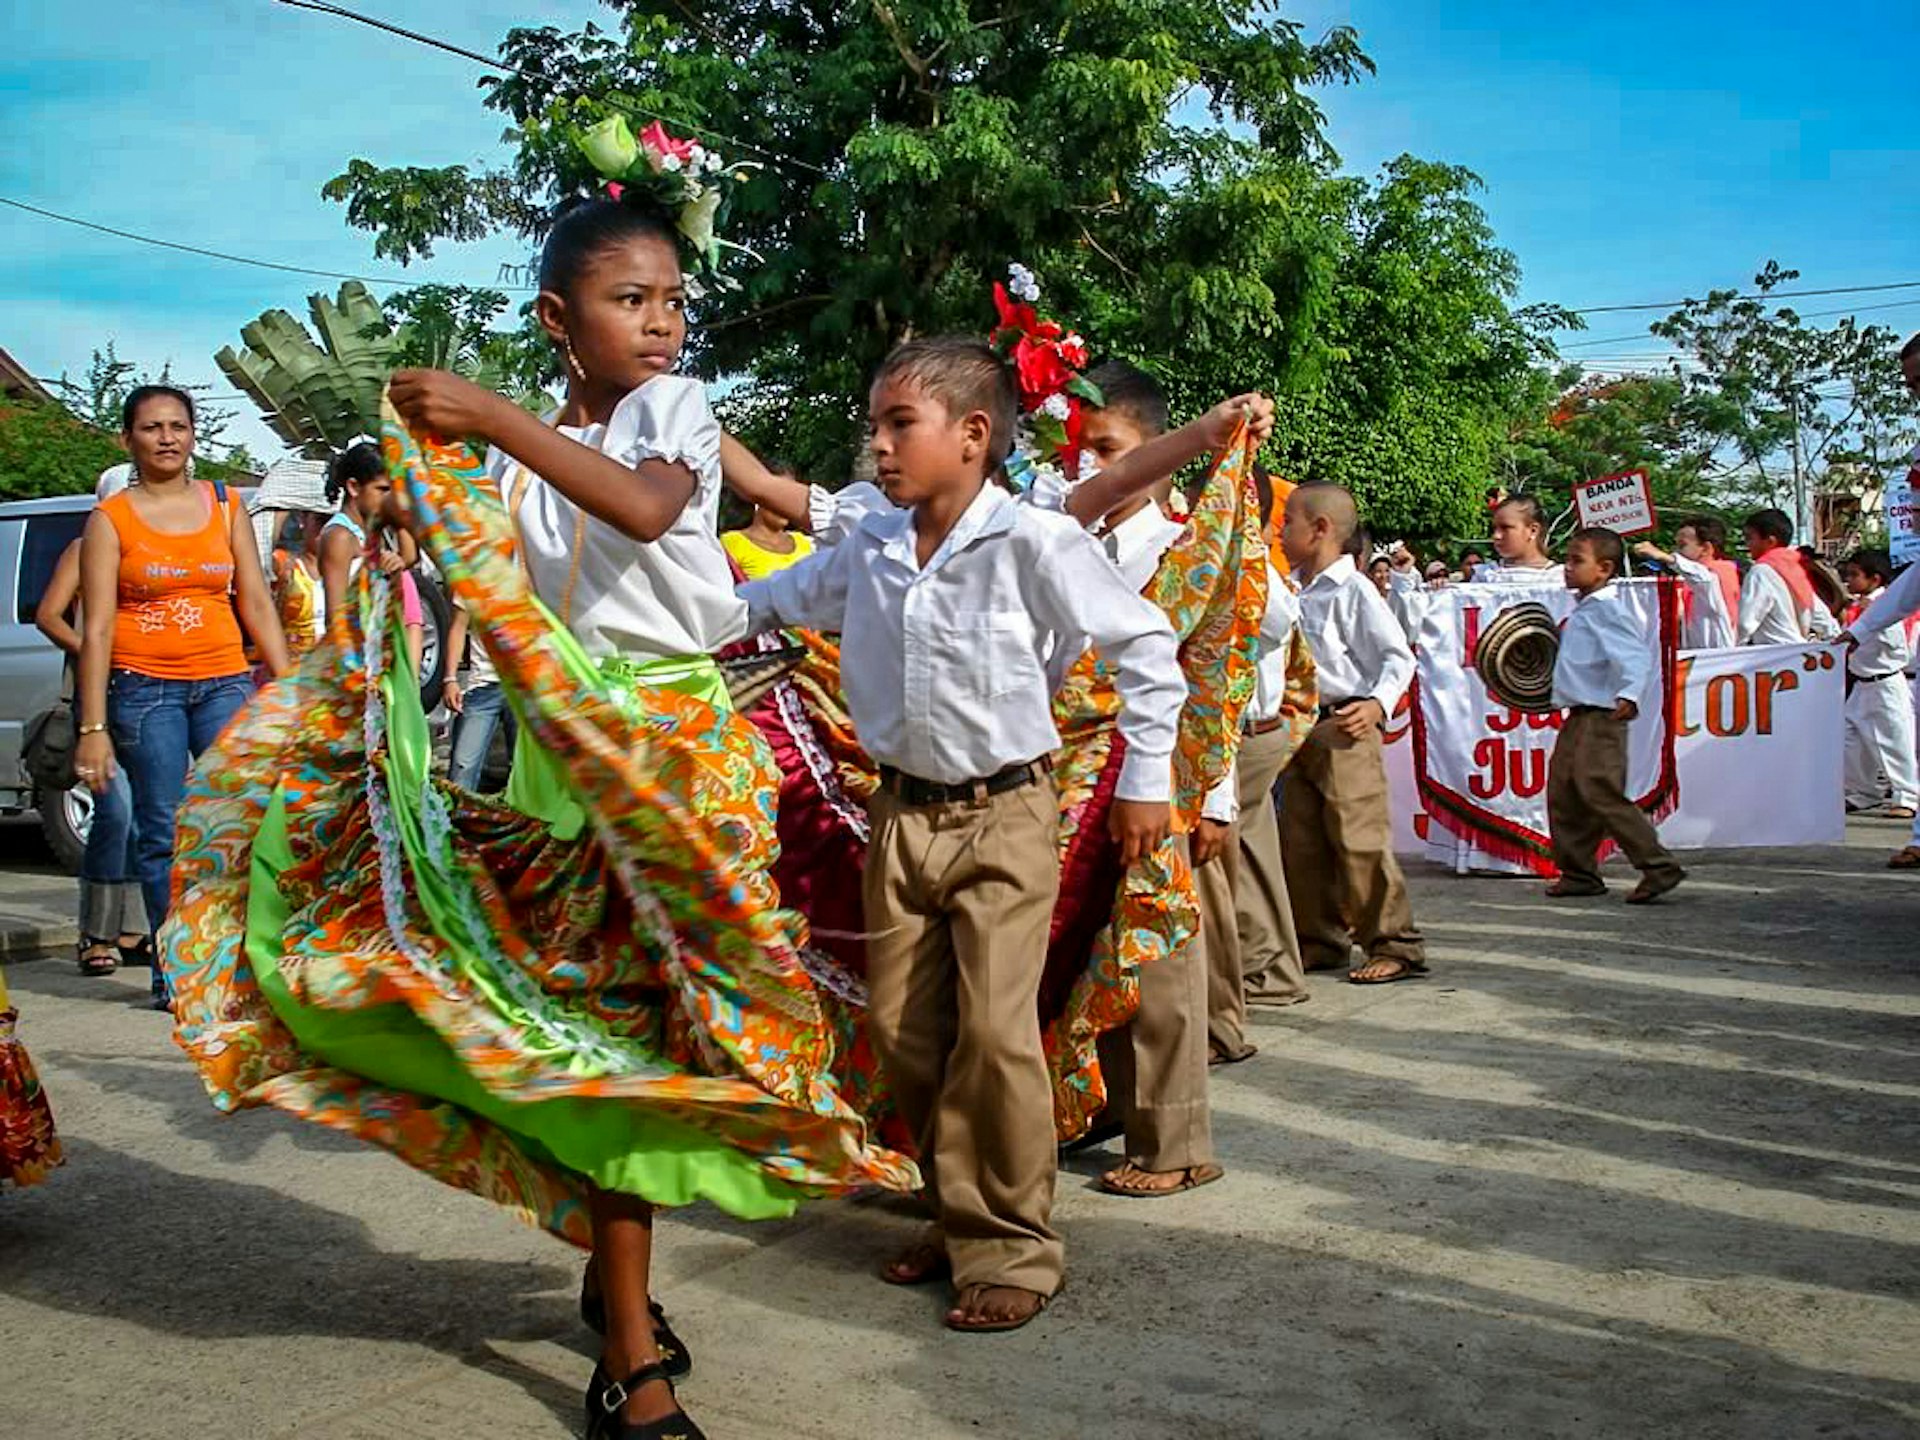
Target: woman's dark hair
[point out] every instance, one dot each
(588, 225)
(130, 407)
(353, 466)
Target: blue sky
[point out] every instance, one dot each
(1632, 151)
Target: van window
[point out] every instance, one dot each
(46, 540)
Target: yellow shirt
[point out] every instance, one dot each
(757, 563)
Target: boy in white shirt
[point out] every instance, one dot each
(1880, 737)
(1776, 599)
(955, 616)
(1335, 833)
(1603, 674)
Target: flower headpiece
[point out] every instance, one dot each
(1047, 360)
(690, 182)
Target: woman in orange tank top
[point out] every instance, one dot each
(168, 573)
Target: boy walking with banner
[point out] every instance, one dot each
(1601, 676)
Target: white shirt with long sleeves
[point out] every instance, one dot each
(643, 599)
(949, 668)
(1768, 615)
(1276, 630)
(1604, 658)
(1358, 647)
(1711, 627)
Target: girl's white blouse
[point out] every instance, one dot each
(670, 597)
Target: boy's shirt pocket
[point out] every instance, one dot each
(993, 650)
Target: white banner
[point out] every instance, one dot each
(1903, 517)
(1482, 766)
(1758, 742)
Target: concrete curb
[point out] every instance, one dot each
(22, 939)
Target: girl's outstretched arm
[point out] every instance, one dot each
(603, 487)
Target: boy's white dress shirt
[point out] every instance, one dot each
(1711, 627)
(1358, 647)
(1768, 615)
(949, 670)
(1604, 658)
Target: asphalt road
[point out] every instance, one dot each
(1608, 1172)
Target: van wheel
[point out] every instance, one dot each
(65, 820)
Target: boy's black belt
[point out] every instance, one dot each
(1334, 707)
(912, 790)
(1874, 679)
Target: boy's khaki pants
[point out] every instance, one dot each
(959, 898)
(1587, 800)
(1336, 839)
(1156, 1065)
(1269, 948)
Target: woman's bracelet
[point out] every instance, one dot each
(99, 729)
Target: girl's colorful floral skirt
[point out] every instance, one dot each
(28, 1146)
(595, 986)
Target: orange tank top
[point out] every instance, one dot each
(175, 619)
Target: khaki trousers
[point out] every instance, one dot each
(1587, 800)
(1156, 1066)
(1336, 840)
(1218, 888)
(1269, 947)
(959, 898)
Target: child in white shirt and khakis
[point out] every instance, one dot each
(1602, 676)
(955, 615)
(1336, 834)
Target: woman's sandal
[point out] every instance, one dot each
(675, 1358)
(994, 1327)
(97, 957)
(136, 956)
(1907, 859)
(605, 1397)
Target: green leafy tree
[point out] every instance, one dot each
(1604, 426)
(452, 327)
(910, 152)
(1792, 409)
(1162, 165)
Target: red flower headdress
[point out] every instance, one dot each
(1047, 360)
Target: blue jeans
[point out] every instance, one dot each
(483, 710)
(159, 728)
(110, 903)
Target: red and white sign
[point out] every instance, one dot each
(1621, 503)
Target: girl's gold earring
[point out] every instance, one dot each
(573, 360)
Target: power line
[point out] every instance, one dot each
(396, 281)
(1813, 315)
(1769, 295)
(341, 12)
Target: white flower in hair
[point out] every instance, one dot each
(1021, 283)
(1056, 405)
(671, 163)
